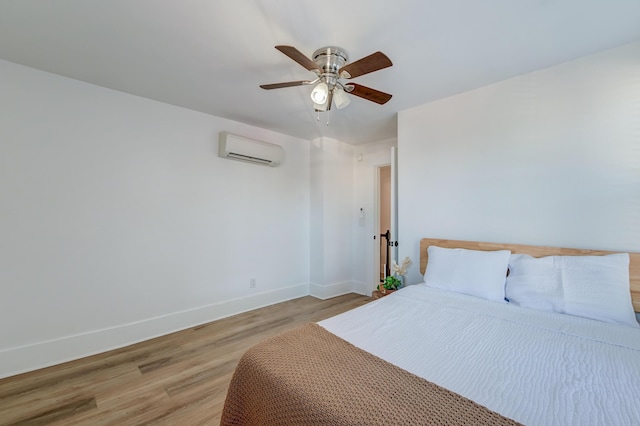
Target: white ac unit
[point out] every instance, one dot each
(239, 148)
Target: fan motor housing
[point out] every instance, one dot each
(329, 59)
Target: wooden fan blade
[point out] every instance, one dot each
(287, 84)
(368, 93)
(374, 62)
(299, 57)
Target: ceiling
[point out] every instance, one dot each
(211, 55)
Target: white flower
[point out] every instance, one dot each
(402, 269)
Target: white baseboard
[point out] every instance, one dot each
(336, 289)
(45, 354)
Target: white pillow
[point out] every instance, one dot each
(595, 287)
(478, 273)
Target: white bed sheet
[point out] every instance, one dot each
(536, 367)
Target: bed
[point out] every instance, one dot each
(432, 353)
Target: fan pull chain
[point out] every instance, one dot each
(318, 116)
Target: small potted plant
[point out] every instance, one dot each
(393, 282)
(390, 284)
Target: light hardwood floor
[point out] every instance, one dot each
(178, 379)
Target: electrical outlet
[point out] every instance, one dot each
(252, 283)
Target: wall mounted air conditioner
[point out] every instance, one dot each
(239, 148)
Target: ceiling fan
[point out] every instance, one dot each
(328, 63)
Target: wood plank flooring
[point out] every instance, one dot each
(178, 379)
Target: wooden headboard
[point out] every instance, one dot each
(536, 251)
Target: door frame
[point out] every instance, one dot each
(377, 241)
(375, 267)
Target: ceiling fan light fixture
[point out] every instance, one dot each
(320, 107)
(340, 98)
(331, 64)
(320, 93)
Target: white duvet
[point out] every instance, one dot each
(536, 367)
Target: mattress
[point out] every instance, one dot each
(536, 367)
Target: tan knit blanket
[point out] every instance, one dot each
(308, 376)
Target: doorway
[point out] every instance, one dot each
(384, 222)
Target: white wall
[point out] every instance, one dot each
(343, 180)
(331, 220)
(551, 157)
(118, 222)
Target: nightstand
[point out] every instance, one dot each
(377, 294)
